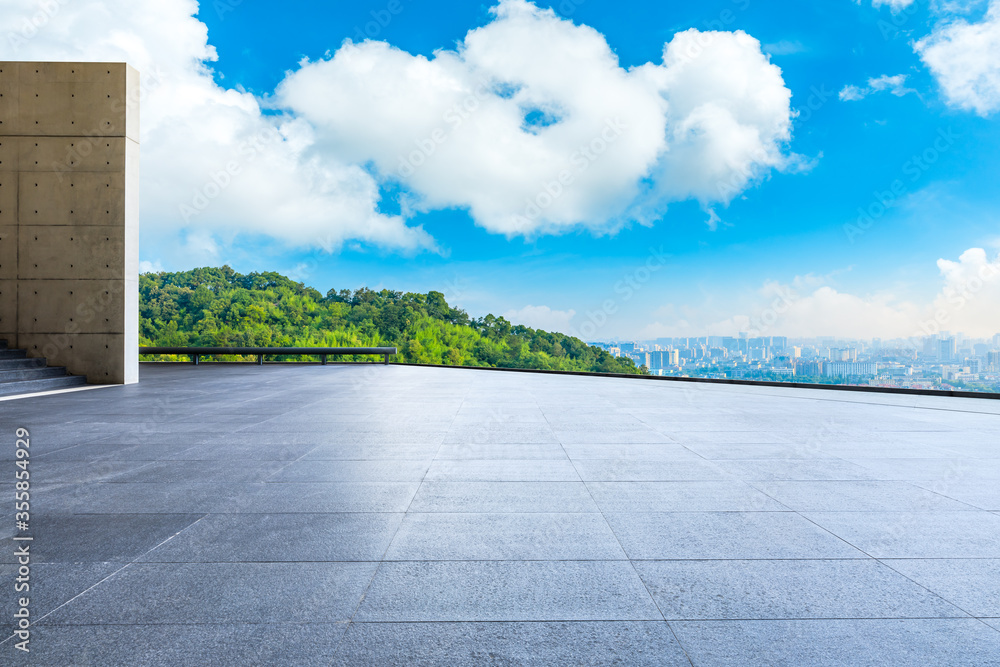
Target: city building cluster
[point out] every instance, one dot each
(945, 361)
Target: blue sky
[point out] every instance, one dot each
(841, 97)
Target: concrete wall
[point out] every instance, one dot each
(69, 215)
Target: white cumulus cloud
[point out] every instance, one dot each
(532, 125)
(965, 59)
(970, 297)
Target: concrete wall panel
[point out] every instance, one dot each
(8, 310)
(80, 252)
(8, 252)
(8, 99)
(68, 155)
(70, 306)
(8, 153)
(67, 99)
(74, 199)
(8, 197)
(111, 75)
(70, 109)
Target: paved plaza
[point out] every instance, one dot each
(393, 515)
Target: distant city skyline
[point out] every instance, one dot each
(640, 169)
(934, 362)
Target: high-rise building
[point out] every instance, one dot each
(809, 368)
(850, 368)
(993, 360)
(664, 359)
(946, 349)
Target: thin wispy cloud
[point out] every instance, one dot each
(895, 85)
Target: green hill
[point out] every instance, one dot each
(217, 307)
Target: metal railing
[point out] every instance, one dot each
(260, 352)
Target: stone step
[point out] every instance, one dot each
(20, 374)
(46, 384)
(18, 364)
(32, 373)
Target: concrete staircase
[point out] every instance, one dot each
(21, 375)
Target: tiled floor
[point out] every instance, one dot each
(301, 515)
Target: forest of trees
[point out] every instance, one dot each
(218, 307)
